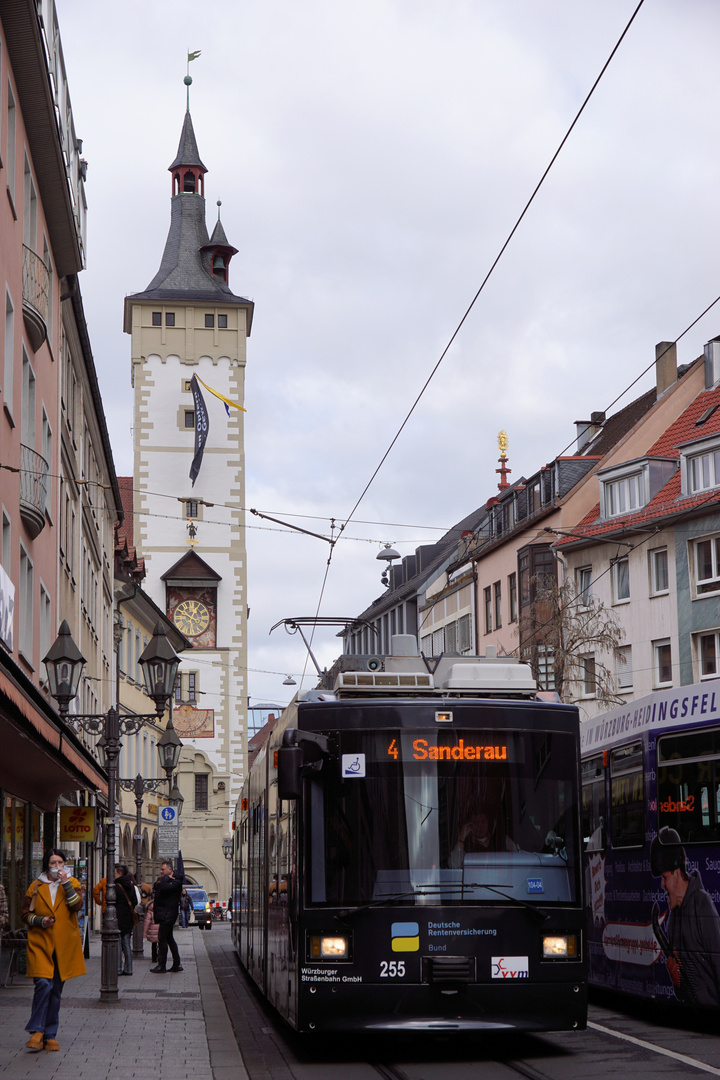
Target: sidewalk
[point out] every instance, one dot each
(161, 1025)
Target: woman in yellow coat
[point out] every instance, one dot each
(54, 948)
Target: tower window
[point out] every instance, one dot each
(169, 318)
(209, 320)
(157, 318)
(201, 791)
(191, 508)
(222, 322)
(189, 181)
(189, 418)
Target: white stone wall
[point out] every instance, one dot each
(163, 451)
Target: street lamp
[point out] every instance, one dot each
(227, 847)
(64, 663)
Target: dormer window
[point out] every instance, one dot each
(700, 465)
(627, 488)
(704, 471)
(622, 496)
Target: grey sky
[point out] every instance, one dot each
(371, 157)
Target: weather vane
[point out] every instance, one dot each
(188, 78)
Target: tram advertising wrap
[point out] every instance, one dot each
(651, 821)
(415, 862)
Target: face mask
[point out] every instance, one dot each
(54, 873)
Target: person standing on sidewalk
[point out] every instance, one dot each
(184, 910)
(168, 890)
(150, 929)
(126, 900)
(54, 948)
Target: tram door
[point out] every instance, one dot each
(257, 886)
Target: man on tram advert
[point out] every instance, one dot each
(690, 936)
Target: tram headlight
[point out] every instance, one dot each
(560, 946)
(329, 947)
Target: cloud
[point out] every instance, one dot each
(371, 159)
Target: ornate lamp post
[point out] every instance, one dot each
(64, 663)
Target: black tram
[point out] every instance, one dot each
(408, 854)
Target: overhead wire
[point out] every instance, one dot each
(477, 295)
(495, 262)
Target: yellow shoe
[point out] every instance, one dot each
(52, 1044)
(35, 1042)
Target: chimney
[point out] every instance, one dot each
(665, 365)
(712, 363)
(423, 556)
(588, 429)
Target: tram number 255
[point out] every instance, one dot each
(392, 969)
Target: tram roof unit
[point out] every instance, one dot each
(406, 672)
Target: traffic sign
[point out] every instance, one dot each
(168, 841)
(168, 815)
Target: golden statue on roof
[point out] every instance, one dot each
(502, 443)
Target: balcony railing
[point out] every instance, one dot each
(33, 489)
(35, 293)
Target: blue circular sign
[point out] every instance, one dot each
(168, 813)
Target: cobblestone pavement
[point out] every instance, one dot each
(162, 1025)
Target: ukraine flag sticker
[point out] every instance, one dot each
(405, 937)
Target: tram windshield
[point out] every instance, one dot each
(445, 817)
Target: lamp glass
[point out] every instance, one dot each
(64, 664)
(159, 664)
(169, 748)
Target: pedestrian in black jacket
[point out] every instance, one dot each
(168, 890)
(126, 900)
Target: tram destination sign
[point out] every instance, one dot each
(415, 747)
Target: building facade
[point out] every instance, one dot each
(188, 341)
(650, 548)
(58, 492)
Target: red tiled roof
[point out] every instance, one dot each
(125, 553)
(668, 501)
(684, 429)
(125, 483)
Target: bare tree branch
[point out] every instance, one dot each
(566, 636)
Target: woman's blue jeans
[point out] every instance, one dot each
(46, 1005)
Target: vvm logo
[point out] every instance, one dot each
(77, 823)
(510, 967)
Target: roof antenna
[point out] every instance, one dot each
(188, 78)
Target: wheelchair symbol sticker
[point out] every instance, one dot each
(168, 814)
(353, 765)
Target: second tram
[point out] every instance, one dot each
(651, 818)
(408, 854)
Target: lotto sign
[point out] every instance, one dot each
(77, 823)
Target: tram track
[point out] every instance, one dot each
(395, 1072)
(624, 1042)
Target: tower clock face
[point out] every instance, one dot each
(191, 617)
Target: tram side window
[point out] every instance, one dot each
(593, 803)
(689, 784)
(627, 796)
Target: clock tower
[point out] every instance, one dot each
(188, 334)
